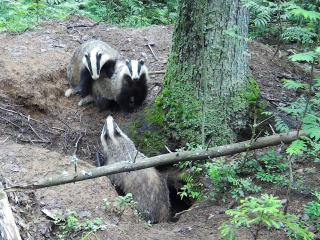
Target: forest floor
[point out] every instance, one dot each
(39, 127)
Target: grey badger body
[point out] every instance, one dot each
(129, 80)
(92, 61)
(146, 185)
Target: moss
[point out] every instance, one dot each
(146, 136)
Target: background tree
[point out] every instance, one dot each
(207, 86)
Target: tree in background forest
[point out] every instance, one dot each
(207, 87)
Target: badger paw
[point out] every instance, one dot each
(69, 92)
(85, 100)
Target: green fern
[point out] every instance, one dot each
(308, 56)
(281, 126)
(290, 84)
(296, 147)
(312, 15)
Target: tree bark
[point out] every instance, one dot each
(8, 227)
(169, 158)
(207, 78)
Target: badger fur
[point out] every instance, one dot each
(146, 185)
(129, 80)
(92, 61)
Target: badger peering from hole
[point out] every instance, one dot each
(129, 80)
(92, 61)
(146, 185)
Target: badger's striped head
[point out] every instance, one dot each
(94, 61)
(110, 132)
(136, 68)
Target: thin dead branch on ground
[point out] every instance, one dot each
(164, 159)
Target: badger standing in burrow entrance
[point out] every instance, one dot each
(92, 61)
(146, 185)
(129, 80)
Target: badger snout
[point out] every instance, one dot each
(95, 77)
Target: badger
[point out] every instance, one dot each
(146, 185)
(129, 80)
(92, 61)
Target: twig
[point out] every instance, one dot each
(10, 122)
(34, 141)
(30, 140)
(64, 123)
(134, 160)
(76, 145)
(3, 141)
(60, 129)
(209, 143)
(15, 112)
(272, 129)
(152, 51)
(158, 72)
(36, 132)
(167, 149)
(184, 211)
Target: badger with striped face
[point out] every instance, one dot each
(92, 61)
(129, 80)
(147, 186)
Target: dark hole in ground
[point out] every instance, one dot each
(177, 204)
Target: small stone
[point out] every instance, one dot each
(16, 54)
(312, 229)
(84, 214)
(305, 217)
(177, 229)
(11, 154)
(306, 193)
(43, 50)
(283, 201)
(310, 170)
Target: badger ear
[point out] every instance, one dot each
(116, 127)
(141, 61)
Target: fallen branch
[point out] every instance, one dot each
(82, 25)
(169, 158)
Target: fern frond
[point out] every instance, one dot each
(281, 126)
(308, 56)
(312, 15)
(296, 147)
(290, 84)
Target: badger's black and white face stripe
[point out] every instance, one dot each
(136, 68)
(111, 129)
(94, 61)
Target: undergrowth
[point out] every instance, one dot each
(17, 16)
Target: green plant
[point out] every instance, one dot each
(122, 202)
(70, 226)
(255, 213)
(289, 20)
(273, 168)
(312, 209)
(17, 16)
(106, 203)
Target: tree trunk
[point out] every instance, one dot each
(207, 86)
